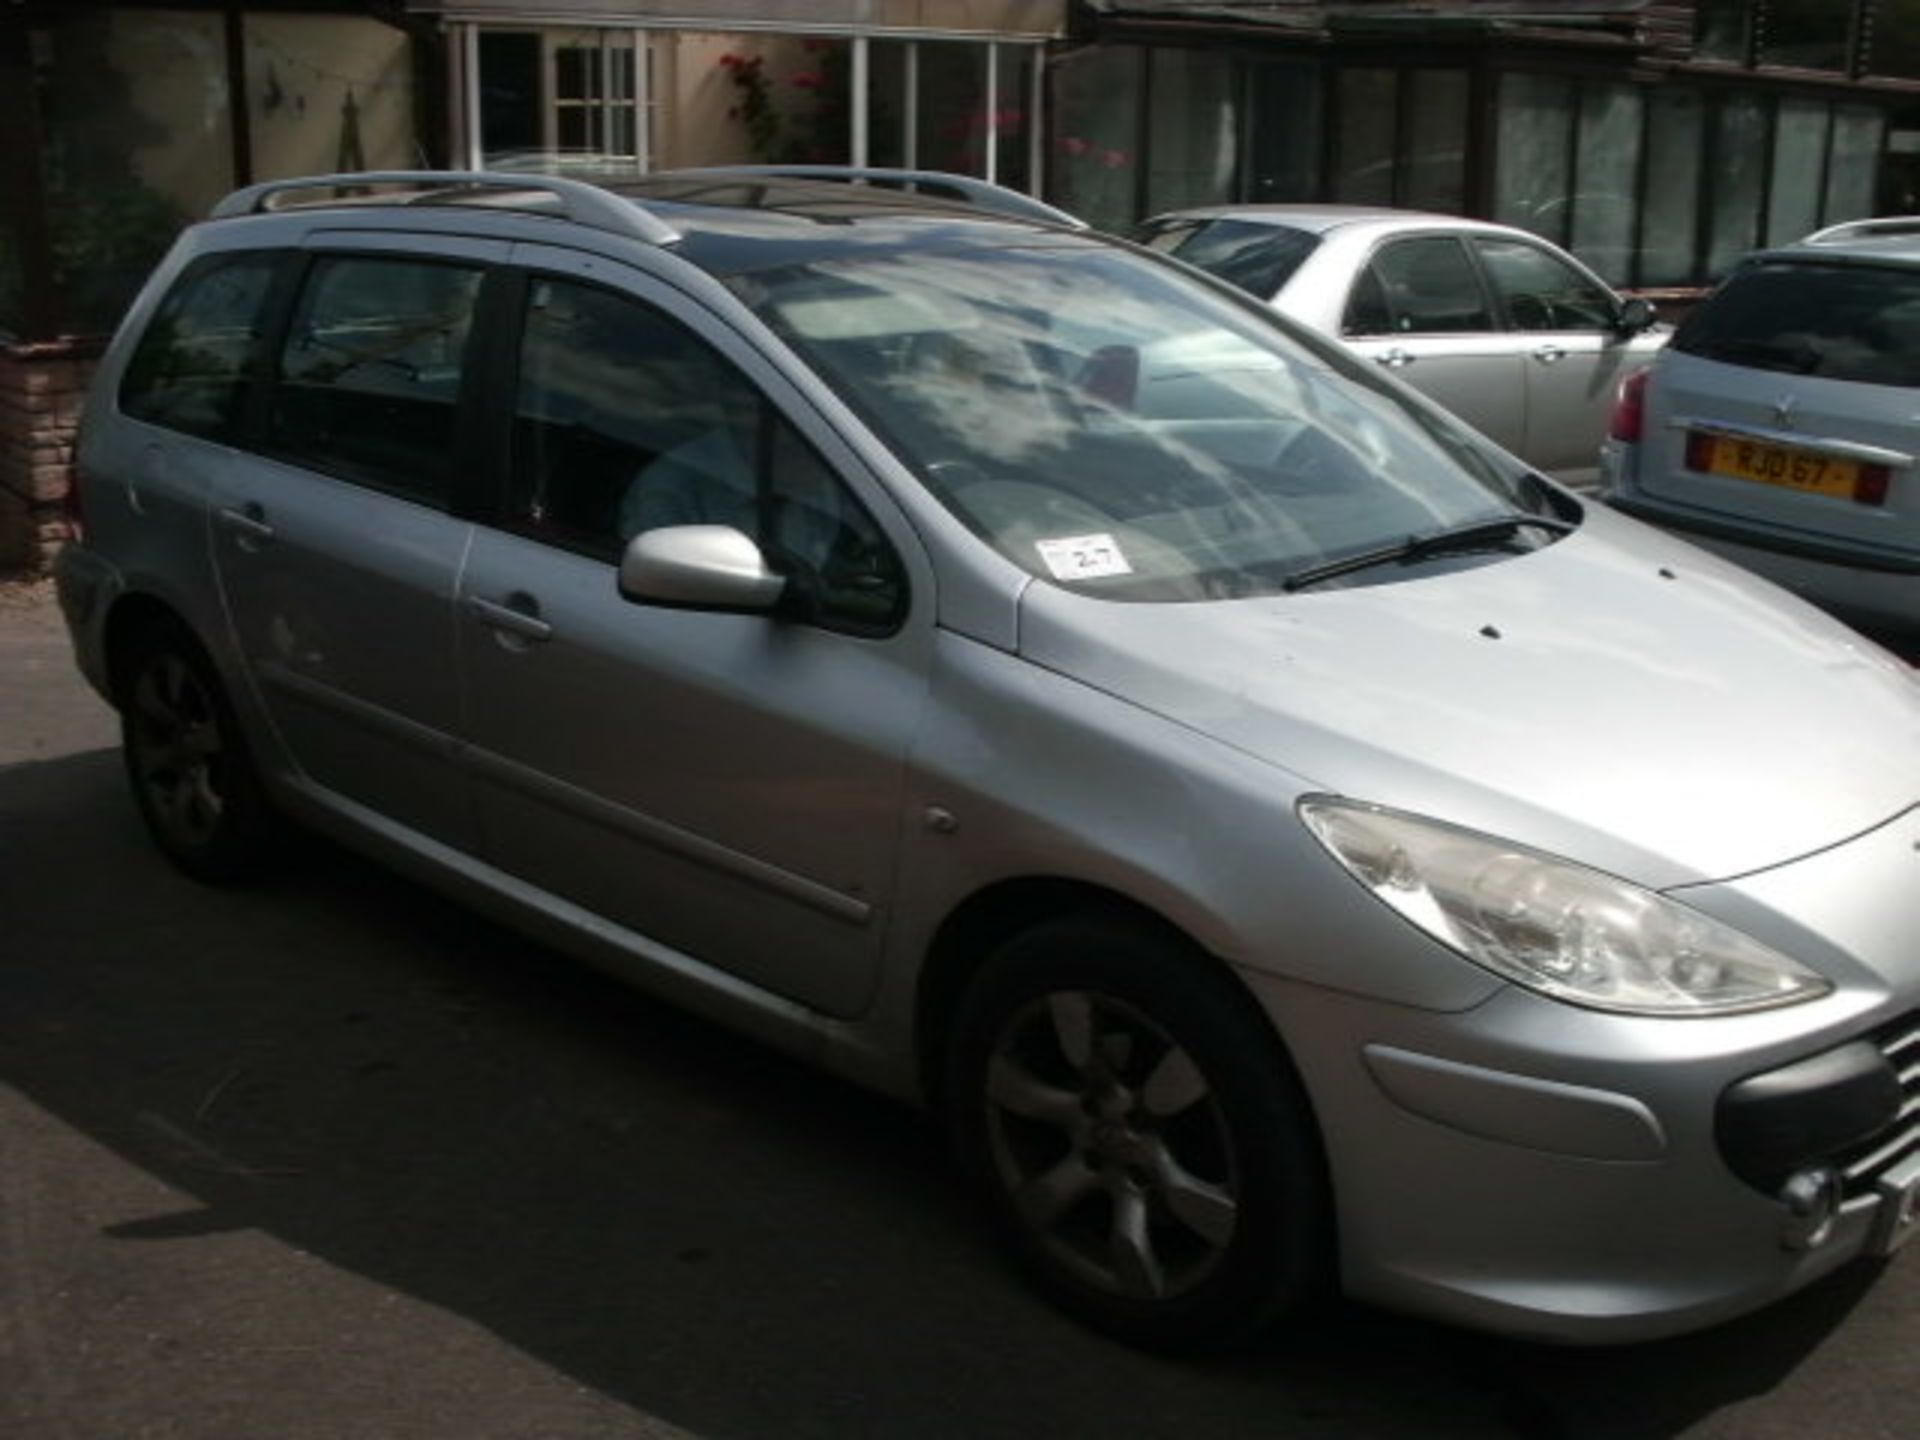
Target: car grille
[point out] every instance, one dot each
(1866, 1162)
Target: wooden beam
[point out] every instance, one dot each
(239, 112)
(25, 183)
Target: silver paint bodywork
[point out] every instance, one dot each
(776, 826)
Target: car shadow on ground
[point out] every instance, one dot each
(647, 1204)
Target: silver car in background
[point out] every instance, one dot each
(1508, 331)
(1286, 840)
(1782, 425)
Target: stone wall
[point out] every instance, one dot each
(41, 390)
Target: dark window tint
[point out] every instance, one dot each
(1194, 133)
(1367, 312)
(1365, 129)
(1433, 155)
(192, 363)
(1418, 287)
(1723, 30)
(1257, 258)
(369, 377)
(1532, 161)
(1670, 211)
(1844, 322)
(1543, 292)
(626, 421)
(1810, 34)
(1284, 105)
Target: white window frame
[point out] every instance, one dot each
(464, 56)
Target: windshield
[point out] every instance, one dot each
(1111, 425)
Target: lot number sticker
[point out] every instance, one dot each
(1083, 557)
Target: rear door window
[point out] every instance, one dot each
(1838, 321)
(369, 375)
(1425, 286)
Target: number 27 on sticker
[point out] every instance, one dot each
(1083, 557)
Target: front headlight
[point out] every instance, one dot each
(1554, 926)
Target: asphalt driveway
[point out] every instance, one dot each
(330, 1159)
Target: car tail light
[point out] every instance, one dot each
(1870, 486)
(1629, 408)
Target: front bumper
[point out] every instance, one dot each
(1543, 1170)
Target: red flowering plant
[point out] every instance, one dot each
(754, 108)
(813, 133)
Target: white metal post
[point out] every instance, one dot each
(993, 112)
(642, 100)
(858, 85)
(1036, 128)
(605, 107)
(911, 149)
(467, 88)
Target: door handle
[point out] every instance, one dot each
(248, 524)
(1393, 359)
(1550, 354)
(518, 616)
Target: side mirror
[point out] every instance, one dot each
(1636, 315)
(704, 567)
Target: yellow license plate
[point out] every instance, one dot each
(1779, 465)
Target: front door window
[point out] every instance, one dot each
(626, 421)
(1541, 291)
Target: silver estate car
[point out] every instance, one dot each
(1780, 427)
(1286, 840)
(1508, 331)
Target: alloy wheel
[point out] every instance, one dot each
(1111, 1145)
(177, 750)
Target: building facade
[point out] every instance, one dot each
(667, 84)
(1658, 139)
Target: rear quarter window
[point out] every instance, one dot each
(1836, 321)
(190, 369)
(1257, 258)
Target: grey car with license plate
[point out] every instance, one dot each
(1287, 842)
(1782, 426)
(1505, 329)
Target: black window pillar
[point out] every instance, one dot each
(25, 182)
(239, 116)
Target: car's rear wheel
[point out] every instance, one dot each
(1139, 1136)
(192, 776)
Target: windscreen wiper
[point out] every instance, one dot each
(1473, 535)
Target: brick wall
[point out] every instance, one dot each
(41, 389)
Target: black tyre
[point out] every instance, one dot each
(192, 776)
(1138, 1133)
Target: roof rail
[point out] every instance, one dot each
(1882, 227)
(982, 194)
(580, 202)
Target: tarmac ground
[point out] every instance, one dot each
(331, 1159)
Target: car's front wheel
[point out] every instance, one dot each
(1139, 1136)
